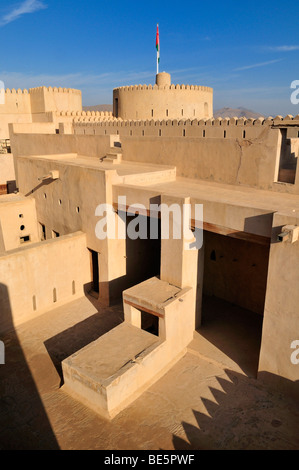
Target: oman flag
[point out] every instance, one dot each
(158, 44)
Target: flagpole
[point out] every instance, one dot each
(158, 48)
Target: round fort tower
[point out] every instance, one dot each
(162, 101)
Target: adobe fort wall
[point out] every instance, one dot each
(45, 99)
(162, 101)
(230, 151)
(36, 105)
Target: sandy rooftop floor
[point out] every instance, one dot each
(209, 400)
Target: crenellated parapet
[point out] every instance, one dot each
(163, 100)
(165, 87)
(221, 128)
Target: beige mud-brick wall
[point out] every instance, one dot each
(7, 169)
(236, 271)
(18, 220)
(43, 276)
(281, 320)
(45, 99)
(69, 204)
(153, 102)
(16, 108)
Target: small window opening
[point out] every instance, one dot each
(150, 323)
(25, 239)
(22, 228)
(160, 132)
(203, 133)
(184, 132)
(34, 302)
(244, 134)
(43, 232)
(54, 295)
(224, 134)
(152, 113)
(73, 288)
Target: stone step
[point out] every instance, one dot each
(114, 157)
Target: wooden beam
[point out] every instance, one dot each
(143, 309)
(214, 228)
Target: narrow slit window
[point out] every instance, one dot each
(54, 295)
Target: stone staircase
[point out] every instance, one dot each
(114, 155)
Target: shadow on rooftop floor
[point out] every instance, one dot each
(73, 339)
(238, 420)
(24, 424)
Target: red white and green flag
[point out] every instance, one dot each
(158, 48)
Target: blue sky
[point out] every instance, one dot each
(248, 51)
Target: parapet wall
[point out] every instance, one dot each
(55, 99)
(211, 128)
(16, 102)
(161, 102)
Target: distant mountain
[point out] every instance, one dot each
(238, 112)
(99, 107)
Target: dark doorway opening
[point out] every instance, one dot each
(95, 271)
(234, 291)
(143, 255)
(116, 107)
(288, 160)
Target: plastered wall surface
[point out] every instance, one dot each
(40, 277)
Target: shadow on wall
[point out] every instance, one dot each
(80, 335)
(243, 416)
(40, 185)
(24, 424)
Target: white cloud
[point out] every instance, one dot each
(284, 48)
(261, 64)
(28, 6)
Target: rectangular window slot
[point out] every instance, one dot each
(25, 239)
